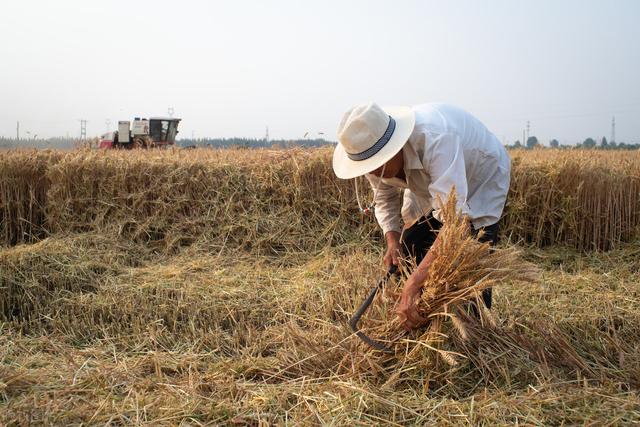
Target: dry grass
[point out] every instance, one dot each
(231, 308)
(586, 199)
(23, 193)
(208, 338)
(169, 199)
(272, 201)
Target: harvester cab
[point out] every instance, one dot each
(143, 133)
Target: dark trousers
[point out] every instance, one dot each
(417, 239)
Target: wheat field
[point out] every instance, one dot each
(213, 287)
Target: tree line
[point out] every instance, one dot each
(68, 143)
(251, 143)
(589, 143)
(57, 142)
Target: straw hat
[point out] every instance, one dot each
(369, 136)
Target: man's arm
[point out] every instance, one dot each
(446, 167)
(407, 309)
(388, 204)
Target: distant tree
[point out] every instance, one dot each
(612, 144)
(532, 142)
(517, 144)
(589, 143)
(603, 142)
(251, 143)
(554, 143)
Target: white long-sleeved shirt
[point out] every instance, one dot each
(448, 147)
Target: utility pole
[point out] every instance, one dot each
(528, 130)
(18, 130)
(83, 130)
(266, 135)
(613, 129)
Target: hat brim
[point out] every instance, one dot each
(346, 168)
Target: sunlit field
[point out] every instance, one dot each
(189, 287)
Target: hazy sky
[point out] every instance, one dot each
(230, 68)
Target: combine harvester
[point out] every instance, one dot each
(156, 132)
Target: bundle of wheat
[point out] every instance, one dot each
(461, 268)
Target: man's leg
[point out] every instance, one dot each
(488, 234)
(417, 239)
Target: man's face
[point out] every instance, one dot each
(391, 168)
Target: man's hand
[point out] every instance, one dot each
(407, 309)
(393, 248)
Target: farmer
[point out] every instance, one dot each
(425, 151)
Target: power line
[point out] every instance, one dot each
(613, 129)
(83, 129)
(566, 116)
